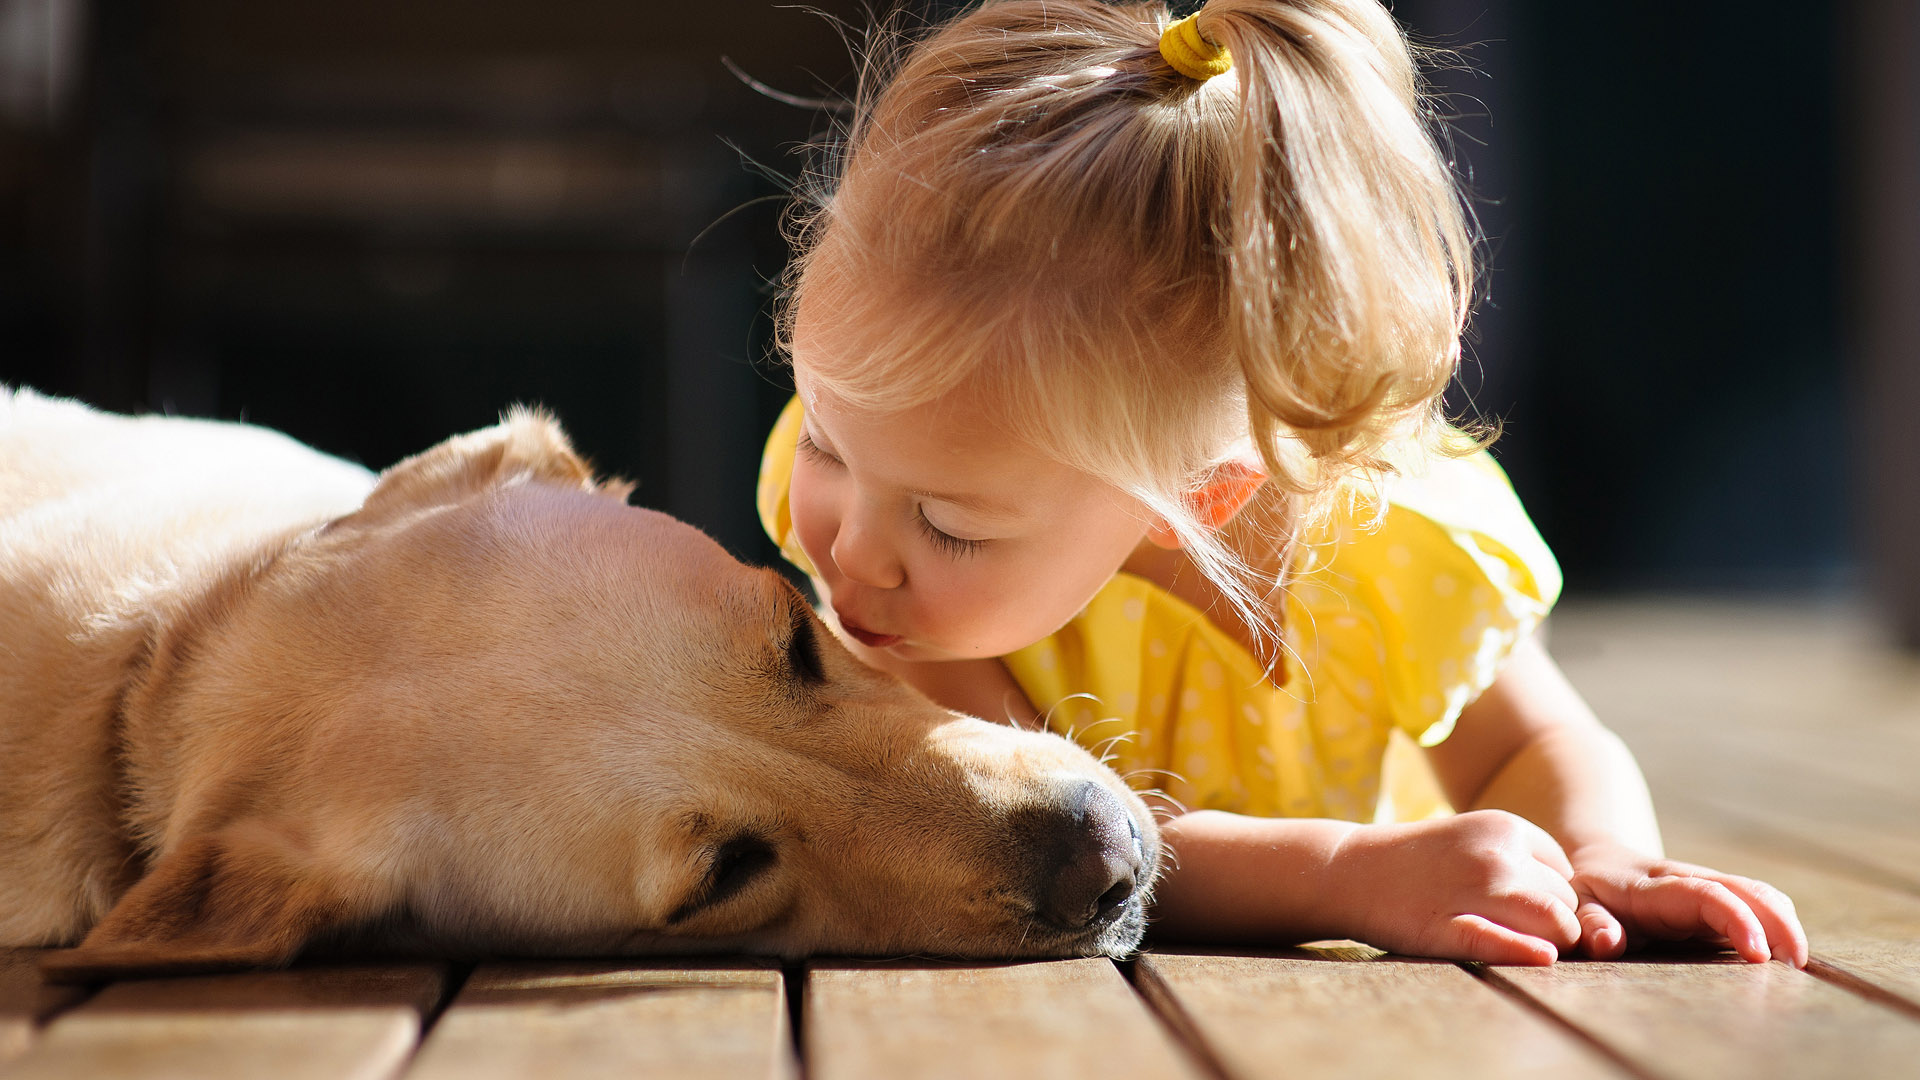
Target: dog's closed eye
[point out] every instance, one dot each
(736, 864)
(803, 648)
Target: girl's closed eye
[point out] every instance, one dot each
(812, 451)
(955, 546)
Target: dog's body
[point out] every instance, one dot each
(251, 695)
(109, 528)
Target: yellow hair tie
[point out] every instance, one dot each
(1192, 55)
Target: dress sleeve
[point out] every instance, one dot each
(776, 483)
(1447, 581)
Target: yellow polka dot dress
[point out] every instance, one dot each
(1390, 627)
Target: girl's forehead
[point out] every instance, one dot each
(948, 448)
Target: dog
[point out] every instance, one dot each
(255, 700)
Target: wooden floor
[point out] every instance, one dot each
(1780, 742)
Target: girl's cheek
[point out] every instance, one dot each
(813, 523)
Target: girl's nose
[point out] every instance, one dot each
(865, 557)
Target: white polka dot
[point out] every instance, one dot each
(1084, 718)
(1346, 622)
(1252, 715)
(1341, 765)
(1134, 609)
(1046, 659)
(1189, 699)
(1264, 753)
(1445, 585)
(1197, 766)
(1363, 689)
(1157, 705)
(1156, 648)
(1127, 702)
(1198, 730)
(1398, 555)
(1448, 670)
(1429, 705)
(1482, 596)
(1212, 674)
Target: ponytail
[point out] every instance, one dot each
(1350, 260)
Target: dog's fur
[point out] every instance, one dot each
(251, 696)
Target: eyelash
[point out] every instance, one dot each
(811, 449)
(952, 545)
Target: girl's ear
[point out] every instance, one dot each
(1215, 502)
(238, 899)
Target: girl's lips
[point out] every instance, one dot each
(867, 637)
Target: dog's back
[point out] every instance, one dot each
(105, 520)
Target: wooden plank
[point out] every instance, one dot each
(1355, 1014)
(559, 1020)
(1868, 931)
(1714, 1016)
(322, 1023)
(1797, 718)
(906, 1021)
(26, 1001)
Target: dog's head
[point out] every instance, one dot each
(497, 710)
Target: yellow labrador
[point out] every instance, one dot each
(252, 697)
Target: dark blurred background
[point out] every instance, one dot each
(372, 223)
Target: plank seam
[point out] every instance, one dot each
(43, 1017)
(1160, 1001)
(793, 984)
(1829, 972)
(1502, 985)
(453, 979)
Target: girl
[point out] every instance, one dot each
(1119, 344)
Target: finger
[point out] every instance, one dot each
(1601, 935)
(1548, 850)
(1684, 906)
(1474, 937)
(1538, 912)
(1786, 940)
(1550, 882)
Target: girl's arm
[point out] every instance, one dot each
(1531, 746)
(1557, 849)
(1479, 886)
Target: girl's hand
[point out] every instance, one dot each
(1485, 885)
(1626, 897)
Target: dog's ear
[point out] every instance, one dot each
(242, 898)
(526, 445)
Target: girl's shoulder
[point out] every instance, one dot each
(1431, 592)
(1413, 608)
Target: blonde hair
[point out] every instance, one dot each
(1143, 270)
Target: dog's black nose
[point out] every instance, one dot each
(1092, 861)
